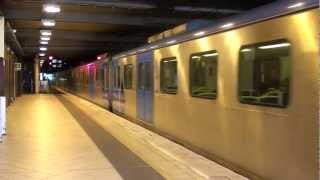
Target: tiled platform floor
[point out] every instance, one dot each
(64, 137)
(45, 141)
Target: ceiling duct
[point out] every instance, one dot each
(12, 41)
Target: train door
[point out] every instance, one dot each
(145, 87)
(118, 91)
(107, 88)
(91, 80)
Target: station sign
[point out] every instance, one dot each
(17, 66)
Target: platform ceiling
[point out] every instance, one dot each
(86, 28)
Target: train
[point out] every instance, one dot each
(243, 92)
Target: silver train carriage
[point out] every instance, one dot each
(243, 92)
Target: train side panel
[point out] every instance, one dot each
(274, 143)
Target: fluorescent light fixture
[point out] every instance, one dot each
(44, 42)
(196, 57)
(201, 33)
(211, 55)
(273, 46)
(228, 25)
(171, 42)
(43, 49)
(45, 33)
(246, 50)
(154, 47)
(51, 8)
(43, 38)
(296, 5)
(48, 22)
(141, 50)
(42, 54)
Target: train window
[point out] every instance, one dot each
(141, 76)
(264, 73)
(204, 74)
(106, 76)
(128, 70)
(168, 76)
(118, 77)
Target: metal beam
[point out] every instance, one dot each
(67, 44)
(96, 18)
(144, 6)
(111, 3)
(206, 10)
(82, 36)
(71, 49)
(11, 39)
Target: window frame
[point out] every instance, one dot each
(162, 89)
(190, 74)
(125, 76)
(264, 43)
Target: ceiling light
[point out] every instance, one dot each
(273, 46)
(45, 38)
(196, 57)
(46, 32)
(246, 50)
(51, 8)
(154, 47)
(201, 33)
(228, 25)
(50, 57)
(43, 49)
(296, 5)
(42, 54)
(171, 42)
(99, 57)
(48, 22)
(44, 42)
(14, 30)
(211, 55)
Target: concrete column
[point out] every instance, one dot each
(36, 75)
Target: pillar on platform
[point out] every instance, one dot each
(36, 75)
(2, 80)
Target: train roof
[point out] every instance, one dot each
(273, 10)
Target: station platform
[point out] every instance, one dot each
(62, 137)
